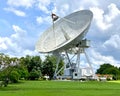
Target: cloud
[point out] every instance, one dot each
(29, 52)
(99, 18)
(2, 43)
(97, 59)
(17, 44)
(20, 33)
(14, 4)
(113, 12)
(21, 3)
(19, 37)
(16, 12)
(104, 20)
(39, 20)
(43, 5)
(113, 42)
(107, 37)
(45, 19)
(64, 7)
(8, 45)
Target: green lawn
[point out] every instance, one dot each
(61, 88)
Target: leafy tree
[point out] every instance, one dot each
(34, 74)
(9, 69)
(25, 61)
(49, 66)
(22, 69)
(23, 72)
(33, 65)
(14, 76)
(114, 71)
(103, 67)
(5, 70)
(29, 67)
(109, 69)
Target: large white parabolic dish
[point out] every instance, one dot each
(67, 33)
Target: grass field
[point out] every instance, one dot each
(61, 88)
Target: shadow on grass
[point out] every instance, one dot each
(12, 86)
(9, 88)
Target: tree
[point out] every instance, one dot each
(49, 66)
(34, 74)
(109, 69)
(114, 71)
(33, 65)
(14, 76)
(103, 67)
(5, 68)
(8, 65)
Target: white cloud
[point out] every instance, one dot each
(17, 29)
(46, 19)
(43, 4)
(29, 52)
(113, 12)
(8, 45)
(54, 10)
(23, 3)
(43, 8)
(20, 33)
(40, 4)
(39, 20)
(104, 20)
(99, 18)
(113, 42)
(97, 59)
(2, 43)
(92, 2)
(16, 44)
(64, 9)
(73, 5)
(16, 12)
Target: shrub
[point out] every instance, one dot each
(14, 76)
(34, 74)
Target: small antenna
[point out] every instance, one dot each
(54, 18)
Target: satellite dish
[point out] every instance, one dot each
(67, 36)
(67, 32)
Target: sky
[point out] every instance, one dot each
(23, 21)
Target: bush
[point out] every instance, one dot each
(23, 73)
(14, 76)
(34, 74)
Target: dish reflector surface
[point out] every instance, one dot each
(67, 32)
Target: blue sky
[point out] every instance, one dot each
(23, 21)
